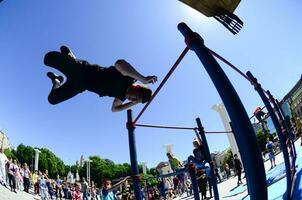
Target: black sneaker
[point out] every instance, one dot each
(54, 77)
(66, 51)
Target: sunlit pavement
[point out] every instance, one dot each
(6, 194)
(227, 185)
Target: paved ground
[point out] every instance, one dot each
(225, 187)
(6, 194)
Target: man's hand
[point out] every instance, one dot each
(149, 79)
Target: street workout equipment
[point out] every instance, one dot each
(221, 10)
(242, 129)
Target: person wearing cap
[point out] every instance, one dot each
(116, 81)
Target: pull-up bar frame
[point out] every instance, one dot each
(243, 130)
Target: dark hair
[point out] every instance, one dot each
(146, 93)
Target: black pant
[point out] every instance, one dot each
(239, 176)
(12, 182)
(59, 192)
(72, 69)
(26, 184)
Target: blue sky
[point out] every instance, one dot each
(145, 34)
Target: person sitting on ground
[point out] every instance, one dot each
(117, 81)
(270, 150)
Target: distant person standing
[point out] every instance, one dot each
(237, 168)
(58, 187)
(3, 161)
(84, 189)
(26, 178)
(270, 150)
(11, 176)
(298, 128)
(227, 170)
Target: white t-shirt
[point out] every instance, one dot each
(3, 159)
(26, 173)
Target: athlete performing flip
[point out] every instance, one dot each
(116, 81)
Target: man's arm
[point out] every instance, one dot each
(118, 105)
(127, 70)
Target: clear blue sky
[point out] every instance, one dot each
(144, 33)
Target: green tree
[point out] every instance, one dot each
(228, 158)
(11, 153)
(49, 161)
(25, 154)
(262, 137)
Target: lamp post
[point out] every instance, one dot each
(144, 167)
(226, 123)
(37, 152)
(88, 170)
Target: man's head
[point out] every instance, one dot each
(169, 155)
(235, 155)
(196, 143)
(138, 93)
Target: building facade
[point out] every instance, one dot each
(291, 104)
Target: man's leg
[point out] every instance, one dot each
(64, 63)
(66, 91)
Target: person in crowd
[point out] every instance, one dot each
(298, 128)
(93, 192)
(227, 170)
(216, 171)
(65, 188)
(176, 185)
(84, 189)
(26, 177)
(21, 176)
(49, 184)
(237, 168)
(202, 183)
(270, 151)
(107, 192)
(3, 161)
(76, 194)
(11, 175)
(162, 188)
(126, 191)
(34, 180)
(58, 186)
(43, 187)
(18, 176)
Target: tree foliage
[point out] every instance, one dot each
(25, 154)
(99, 168)
(261, 139)
(228, 158)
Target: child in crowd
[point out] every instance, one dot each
(107, 192)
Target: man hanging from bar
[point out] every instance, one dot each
(117, 81)
(221, 10)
